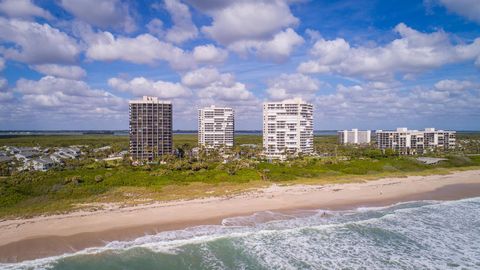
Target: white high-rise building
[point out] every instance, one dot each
(354, 136)
(216, 127)
(287, 128)
(406, 141)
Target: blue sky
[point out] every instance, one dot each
(70, 64)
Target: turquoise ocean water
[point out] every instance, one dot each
(413, 235)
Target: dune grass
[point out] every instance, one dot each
(34, 193)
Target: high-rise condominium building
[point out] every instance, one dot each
(412, 142)
(216, 127)
(287, 128)
(150, 128)
(354, 136)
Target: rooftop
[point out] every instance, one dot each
(216, 107)
(289, 101)
(149, 100)
(404, 129)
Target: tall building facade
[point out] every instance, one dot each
(216, 127)
(354, 136)
(150, 128)
(410, 142)
(287, 128)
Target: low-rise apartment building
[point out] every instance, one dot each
(410, 142)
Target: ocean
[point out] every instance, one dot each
(413, 235)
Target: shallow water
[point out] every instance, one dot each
(413, 235)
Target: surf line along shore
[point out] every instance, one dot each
(26, 239)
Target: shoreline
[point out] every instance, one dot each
(26, 239)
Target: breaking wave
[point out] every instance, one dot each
(413, 235)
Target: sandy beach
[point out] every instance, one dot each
(24, 239)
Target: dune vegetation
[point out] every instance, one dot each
(89, 184)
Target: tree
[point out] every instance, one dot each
(4, 168)
(374, 153)
(390, 152)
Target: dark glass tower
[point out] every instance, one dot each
(150, 128)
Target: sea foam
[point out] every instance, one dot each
(421, 234)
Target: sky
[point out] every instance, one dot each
(368, 64)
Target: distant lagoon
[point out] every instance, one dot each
(125, 132)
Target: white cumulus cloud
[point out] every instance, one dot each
(288, 86)
(278, 48)
(259, 27)
(365, 104)
(36, 43)
(183, 28)
(413, 52)
(467, 8)
(65, 97)
(141, 86)
(210, 84)
(209, 54)
(142, 49)
(246, 20)
(155, 27)
(105, 14)
(63, 71)
(23, 9)
(454, 85)
(3, 84)
(53, 102)
(204, 77)
(211, 87)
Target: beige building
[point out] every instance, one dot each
(410, 142)
(354, 136)
(150, 128)
(216, 127)
(287, 128)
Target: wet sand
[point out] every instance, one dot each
(25, 239)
